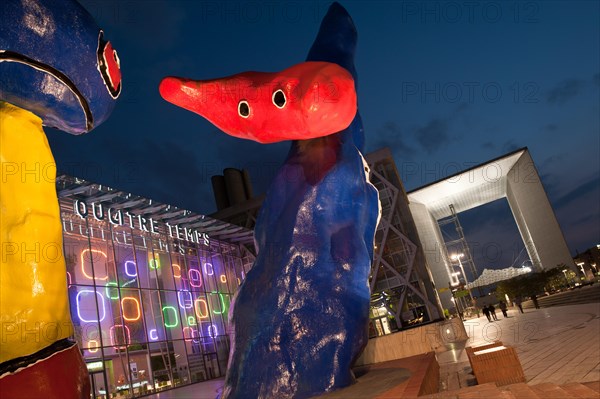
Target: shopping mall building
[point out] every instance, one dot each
(150, 287)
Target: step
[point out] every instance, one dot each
(580, 391)
(550, 390)
(522, 391)
(497, 394)
(595, 385)
(477, 391)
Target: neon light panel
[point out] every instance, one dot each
(130, 262)
(175, 266)
(69, 280)
(82, 256)
(167, 320)
(189, 335)
(184, 297)
(93, 348)
(138, 313)
(108, 289)
(223, 278)
(197, 282)
(212, 330)
(222, 300)
(154, 263)
(206, 267)
(198, 309)
(191, 320)
(125, 333)
(78, 300)
(153, 334)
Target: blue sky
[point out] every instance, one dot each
(440, 83)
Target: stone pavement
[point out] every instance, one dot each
(560, 344)
(557, 345)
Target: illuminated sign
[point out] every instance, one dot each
(92, 346)
(94, 366)
(222, 300)
(195, 282)
(119, 218)
(184, 298)
(127, 270)
(208, 266)
(91, 261)
(128, 313)
(198, 304)
(170, 321)
(212, 331)
(91, 304)
(175, 266)
(120, 336)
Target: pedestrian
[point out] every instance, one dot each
(535, 301)
(503, 308)
(486, 312)
(492, 310)
(519, 302)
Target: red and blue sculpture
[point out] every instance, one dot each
(300, 317)
(57, 70)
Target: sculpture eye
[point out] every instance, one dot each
(279, 99)
(109, 66)
(244, 109)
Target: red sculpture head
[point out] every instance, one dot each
(307, 100)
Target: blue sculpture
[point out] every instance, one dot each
(300, 317)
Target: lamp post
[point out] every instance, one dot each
(580, 264)
(566, 278)
(462, 269)
(455, 302)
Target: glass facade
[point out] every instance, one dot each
(149, 306)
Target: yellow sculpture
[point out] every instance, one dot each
(33, 301)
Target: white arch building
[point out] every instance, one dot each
(512, 176)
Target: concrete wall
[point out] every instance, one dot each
(433, 247)
(419, 340)
(535, 218)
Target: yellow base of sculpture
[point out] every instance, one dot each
(34, 304)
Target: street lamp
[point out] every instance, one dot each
(454, 279)
(566, 278)
(462, 269)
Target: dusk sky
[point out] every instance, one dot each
(444, 85)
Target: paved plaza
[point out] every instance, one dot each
(560, 344)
